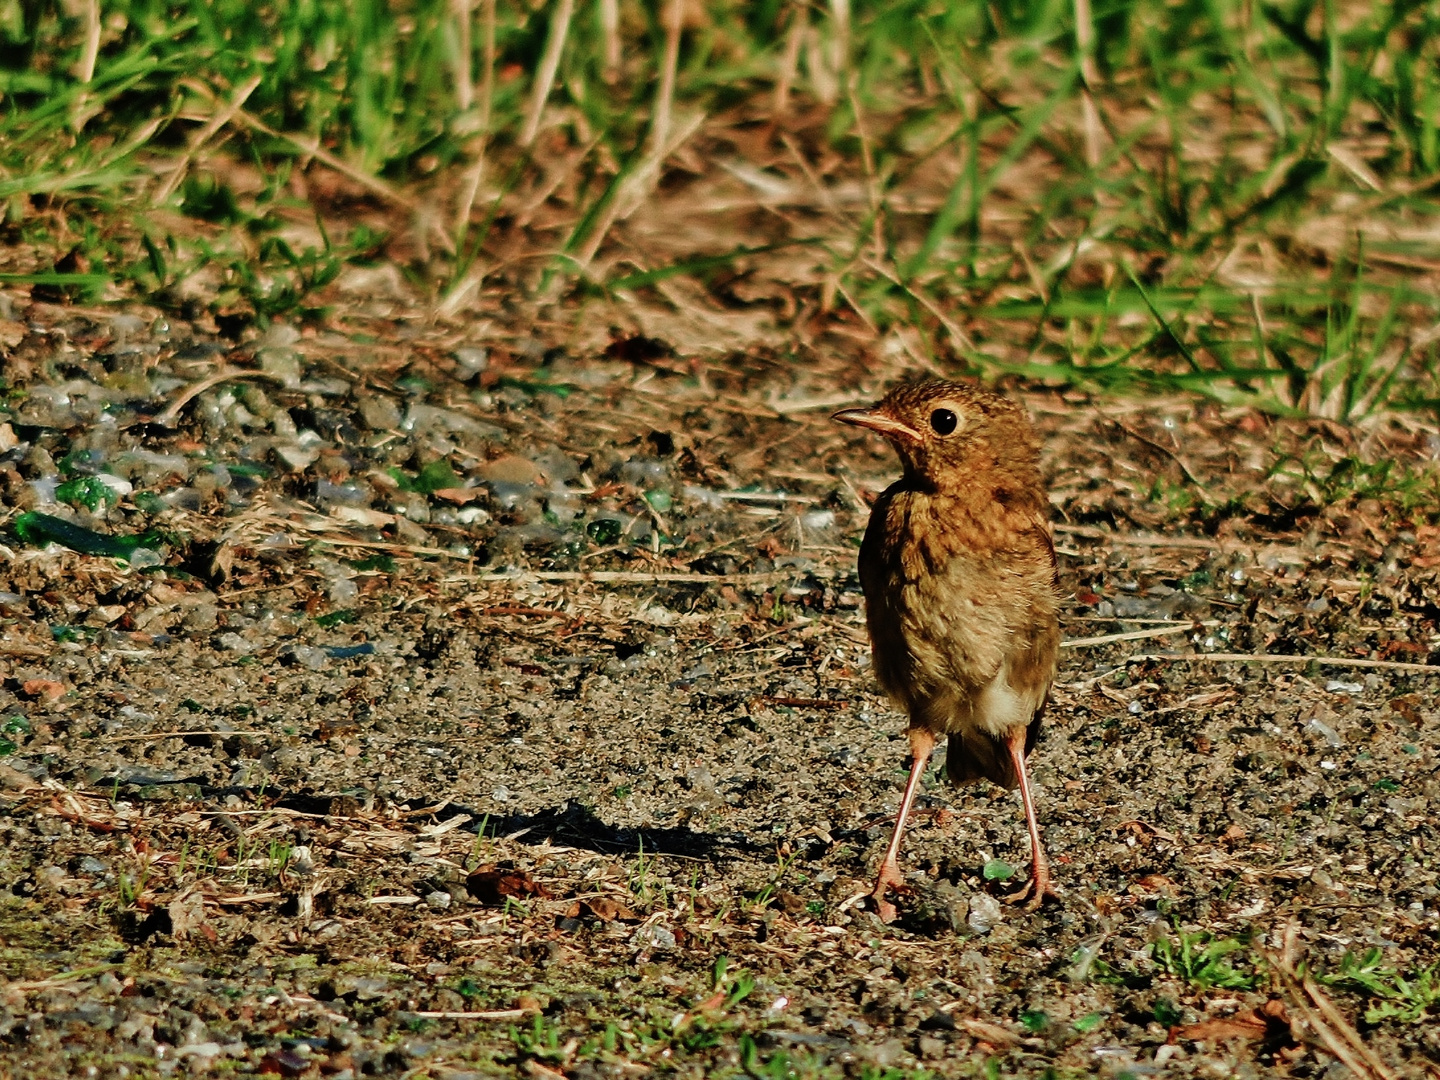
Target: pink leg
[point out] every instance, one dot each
(1039, 885)
(922, 744)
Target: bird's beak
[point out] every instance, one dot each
(879, 422)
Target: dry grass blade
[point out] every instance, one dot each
(1090, 532)
(545, 74)
(610, 29)
(475, 176)
(83, 109)
(464, 77)
(1324, 1019)
(222, 117)
(373, 184)
(633, 577)
(665, 91)
(182, 734)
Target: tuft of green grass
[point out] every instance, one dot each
(1408, 999)
(1199, 958)
(1224, 199)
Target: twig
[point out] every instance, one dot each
(1090, 532)
(518, 610)
(633, 577)
(376, 545)
(490, 1014)
(1134, 635)
(179, 734)
(1274, 658)
(9, 649)
(194, 390)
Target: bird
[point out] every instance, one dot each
(962, 595)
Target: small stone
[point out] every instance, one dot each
(307, 656)
(283, 364)
(296, 458)
(232, 642)
(438, 901)
(202, 617)
(653, 938)
(143, 558)
(985, 913)
(379, 413)
(472, 361)
(279, 336)
(511, 469)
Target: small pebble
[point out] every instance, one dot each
(985, 913)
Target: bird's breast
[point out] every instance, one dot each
(949, 602)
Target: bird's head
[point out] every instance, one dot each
(948, 433)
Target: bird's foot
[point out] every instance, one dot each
(889, 877)
(1034, 893)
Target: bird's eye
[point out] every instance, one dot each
(943, 421)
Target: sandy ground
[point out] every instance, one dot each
(569, 761)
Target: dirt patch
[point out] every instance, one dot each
(475, 710)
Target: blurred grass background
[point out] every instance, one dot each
(1227, 197)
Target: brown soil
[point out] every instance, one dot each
(568, 761)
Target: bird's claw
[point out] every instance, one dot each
(1036, 890)
(889, 877)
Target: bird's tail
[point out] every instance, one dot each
(977, 755)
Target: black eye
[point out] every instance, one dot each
(943, 421)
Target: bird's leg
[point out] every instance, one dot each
(922, 743)
(1039, 885)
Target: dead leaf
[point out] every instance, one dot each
(1109, 905)
(608, 910)
(994, 1034)
(459, 495)
(1152, 885)
(1270, 1022)
(187, 915)
(48, 689)
(1406, 707)
(15, 779)
(492, 886)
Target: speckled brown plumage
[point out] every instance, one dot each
(958, 570)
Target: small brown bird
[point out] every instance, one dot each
(958, 569)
